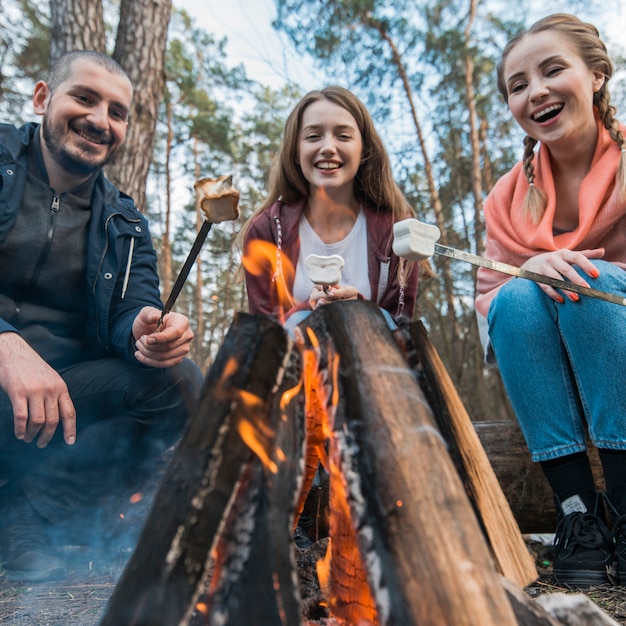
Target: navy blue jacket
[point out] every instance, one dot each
(121, 266)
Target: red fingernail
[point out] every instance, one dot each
(574, 297)
(560, 299)
(594, 273)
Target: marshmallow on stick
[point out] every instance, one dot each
(218, 199)
(414, 240)
(324, 270)
(219, 202)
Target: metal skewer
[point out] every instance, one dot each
(512, 270)
(415, 240)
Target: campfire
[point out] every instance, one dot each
(411, 540)
(410, 527)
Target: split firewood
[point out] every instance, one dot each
(425, 556)
(505, 538)
(225, 503)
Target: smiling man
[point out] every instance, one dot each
(83, 127)
(90, 391)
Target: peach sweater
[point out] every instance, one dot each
(513, 239)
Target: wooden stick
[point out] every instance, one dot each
(510, 552)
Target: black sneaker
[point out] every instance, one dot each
(25, 548)
(619, 537)
(583, 551)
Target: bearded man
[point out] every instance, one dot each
(92, 388)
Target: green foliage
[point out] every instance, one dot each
(215, 120)
(24, 54)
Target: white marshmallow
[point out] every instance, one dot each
(324, 270)
(414, 240)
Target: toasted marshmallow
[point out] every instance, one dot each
(218, 199)
(324, 270)
(414, 240)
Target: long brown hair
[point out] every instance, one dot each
(374, 185)
(593, 52)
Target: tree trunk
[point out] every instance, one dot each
(470, 99)
(140, 49)
(76, 25)
(166, 241)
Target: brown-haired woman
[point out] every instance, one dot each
(331, 192)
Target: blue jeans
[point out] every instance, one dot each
(563, 365)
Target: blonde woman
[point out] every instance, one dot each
(561, 212)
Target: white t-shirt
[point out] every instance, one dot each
(353, 249)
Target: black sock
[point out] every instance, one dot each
(571, 476)
(614, 467)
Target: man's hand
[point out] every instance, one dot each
(38, 394)
(165, 347)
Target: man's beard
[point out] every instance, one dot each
(74, 164)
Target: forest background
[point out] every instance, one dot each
(425, 69)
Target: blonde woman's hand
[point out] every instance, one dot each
(560, 264)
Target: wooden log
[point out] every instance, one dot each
(505, 539)
(427, 559)
(523, 483)
(215, 476)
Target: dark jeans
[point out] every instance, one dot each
(126, 417)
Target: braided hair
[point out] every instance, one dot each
(593, 52)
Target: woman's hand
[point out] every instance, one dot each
(319, 297)
(560, 264)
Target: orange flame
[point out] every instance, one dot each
(203, 608)
(319, 414)
(254, 431)
(264, 258)
(342, 573)
(351, 600)
(323, 569)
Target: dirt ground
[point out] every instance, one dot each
(81, 599)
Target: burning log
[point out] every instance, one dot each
(426, 557)
(405, 544)
(505, 539)
(218, 494)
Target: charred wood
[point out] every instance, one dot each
(219, 505)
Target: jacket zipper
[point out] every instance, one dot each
(54, 209)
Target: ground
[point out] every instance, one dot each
(82, 597)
